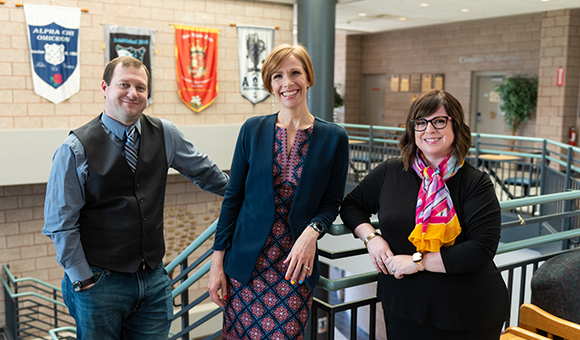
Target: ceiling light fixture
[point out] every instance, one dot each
(544, 0)
(402, 19)
(424, 5)
(465, 10)
(362, 14)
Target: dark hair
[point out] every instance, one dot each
(428, 103)
(278, 56)
(126, 62)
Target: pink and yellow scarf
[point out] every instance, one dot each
(436, 223)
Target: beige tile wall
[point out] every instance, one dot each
(20, 108)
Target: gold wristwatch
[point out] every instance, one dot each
(418, 258)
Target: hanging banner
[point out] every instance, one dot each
(135, 42)
(254, 45)
(53, 41)
(196, 64)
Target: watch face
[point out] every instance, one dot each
(417, 257)
(316, 226)
(77, 286)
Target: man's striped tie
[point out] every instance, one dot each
(130, 148)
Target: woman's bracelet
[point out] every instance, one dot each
(370, 237)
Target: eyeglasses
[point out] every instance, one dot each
(437, 122)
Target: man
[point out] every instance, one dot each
(104, 210)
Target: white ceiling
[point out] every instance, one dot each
(384, 15)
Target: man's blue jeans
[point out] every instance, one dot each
(122, 306)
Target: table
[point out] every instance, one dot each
(499, 158)
(487, 158)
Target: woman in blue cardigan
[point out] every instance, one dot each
(287, 182)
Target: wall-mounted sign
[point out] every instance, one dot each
(426, 82)
(395, 83)
(439, 80)
(560, 77)
(415, 82)
(489, 58)
(404, 83)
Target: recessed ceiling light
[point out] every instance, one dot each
(465, 10)
(402, 19)
(362, 14)
(544, 0)
(424, 5)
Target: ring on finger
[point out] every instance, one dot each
(392, 270)
(305, 266)
(378, 259)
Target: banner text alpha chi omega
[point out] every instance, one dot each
(196, 65)
(53, 40)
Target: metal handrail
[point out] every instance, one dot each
(53, 332)
(35, 280)
(17, 295)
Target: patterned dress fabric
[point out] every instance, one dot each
(269, 306)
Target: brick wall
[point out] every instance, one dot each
(20, 108)
(438, 49)
(560, 47)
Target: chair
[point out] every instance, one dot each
(556, 286)
(513, 333)
(538, 321)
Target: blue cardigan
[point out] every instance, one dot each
(247, 213)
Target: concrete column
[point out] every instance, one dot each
(316, 26)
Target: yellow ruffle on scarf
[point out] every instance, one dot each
(437, 235)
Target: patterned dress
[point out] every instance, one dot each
(269, 306)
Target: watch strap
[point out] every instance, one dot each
(84, 283)
(420, 266)
(316, 226)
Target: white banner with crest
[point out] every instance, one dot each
(134, 42)
(254, 45)
(53, 41)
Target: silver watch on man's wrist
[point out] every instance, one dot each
(316, 226)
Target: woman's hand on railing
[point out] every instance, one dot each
(378, 248)
(217, 279)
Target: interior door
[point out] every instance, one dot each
(374, 99)
(489, 118)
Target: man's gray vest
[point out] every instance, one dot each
(121, 222)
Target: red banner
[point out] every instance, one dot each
(196, 64)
